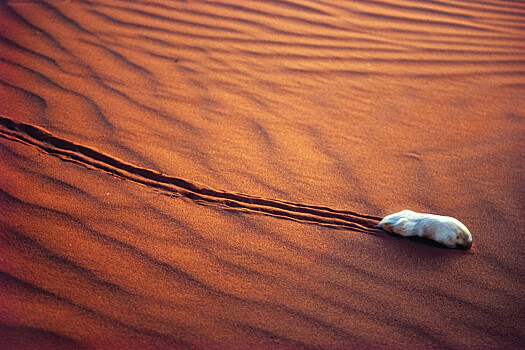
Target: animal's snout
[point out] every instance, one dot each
(467, 245)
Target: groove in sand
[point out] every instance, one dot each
(43, 140)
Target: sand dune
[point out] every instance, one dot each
(140, 142)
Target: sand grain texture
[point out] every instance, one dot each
(209, 174)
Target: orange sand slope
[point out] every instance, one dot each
(140, 142)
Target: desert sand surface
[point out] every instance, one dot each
(210, 174)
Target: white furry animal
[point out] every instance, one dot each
(443, 229)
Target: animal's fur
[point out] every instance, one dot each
(443, 229)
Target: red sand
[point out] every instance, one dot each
(286, 130)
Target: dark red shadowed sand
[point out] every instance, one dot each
(209, 174)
